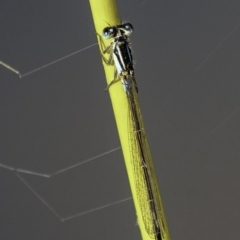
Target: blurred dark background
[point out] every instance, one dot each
(187, 57)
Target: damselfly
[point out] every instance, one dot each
(120, 55)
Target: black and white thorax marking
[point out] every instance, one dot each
(120, 54)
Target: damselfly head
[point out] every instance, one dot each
(109, 32)
(126, 28)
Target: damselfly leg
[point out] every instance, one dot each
(108, 61)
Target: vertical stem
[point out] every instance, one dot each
(105, 14)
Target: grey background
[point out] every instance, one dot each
(187, 69)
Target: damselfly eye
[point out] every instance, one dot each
(127, 28)
(109, 32)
